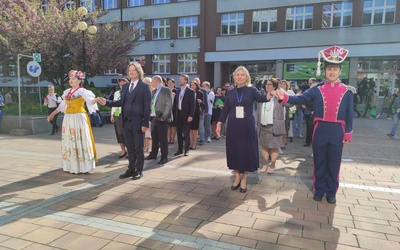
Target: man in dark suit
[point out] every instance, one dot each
(135, 106)
(161, 113)
(185, 103)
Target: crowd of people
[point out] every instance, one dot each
(150, 114)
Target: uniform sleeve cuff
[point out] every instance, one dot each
(348, 136)
(285, 99)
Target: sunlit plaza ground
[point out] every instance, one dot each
(188, 204)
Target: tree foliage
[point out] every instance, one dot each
(26, 28)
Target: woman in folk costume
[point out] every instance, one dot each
(333, 122)
(78, 150)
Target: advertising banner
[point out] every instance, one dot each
(306, 70)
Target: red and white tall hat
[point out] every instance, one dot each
(332, 55)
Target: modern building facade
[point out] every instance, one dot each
(210, 38)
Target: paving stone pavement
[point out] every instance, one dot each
(188, 204)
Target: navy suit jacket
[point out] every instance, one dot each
(188, 103)
(140, 101)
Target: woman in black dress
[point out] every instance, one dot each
(194, 125)
(241, 136)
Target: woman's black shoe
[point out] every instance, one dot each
(243, 190)
(122, 156)
(235, 187)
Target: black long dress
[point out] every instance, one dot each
(195, 123)
(241, 134)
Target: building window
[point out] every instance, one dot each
(187, 63)
(160, 1)
(134, 3)
(161, 29)
(161, 64)
(187, 27)
(337, 14)
(232, 23)
(139, 30)
(299, 18)
(379, 11)
(140, 59)
(69, 5)
(264, 21)
(12, 70)
(110, 4)
(89, 4)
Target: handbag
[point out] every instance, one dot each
(373, 112)
(278, 127)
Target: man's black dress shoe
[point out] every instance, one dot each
(127, 174)
(317, 198)
(186, 153)
(137, 176)
(162, 161)
(306, 145)
(178, 153)
(150, 157)
(331, 200)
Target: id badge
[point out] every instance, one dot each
(240, 112)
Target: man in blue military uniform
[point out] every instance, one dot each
(333, 122)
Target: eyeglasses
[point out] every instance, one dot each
(270, 84)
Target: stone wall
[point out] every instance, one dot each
(34, 124)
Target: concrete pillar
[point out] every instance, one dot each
(279, 69)
(353, 67)
(217, 75)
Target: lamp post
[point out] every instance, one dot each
(83, 26)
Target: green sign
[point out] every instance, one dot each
(306, 70)
(37, 57)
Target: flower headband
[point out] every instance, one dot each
(77, 74)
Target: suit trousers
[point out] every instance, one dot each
(134, 140)
(327, 150)
(54, 120)
(309, 119)
(182, 130)
(159, 135)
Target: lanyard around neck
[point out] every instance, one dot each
(239, 99)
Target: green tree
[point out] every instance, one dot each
(26, 28)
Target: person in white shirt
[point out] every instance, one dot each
(207, 115)
(52, 100)
(116, 118)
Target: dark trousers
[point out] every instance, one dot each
(327, 149)
(159, 137)
(53, 121)
(355, 110)
(367, 108)
(134, 139)
(309, 119)
(182, 129)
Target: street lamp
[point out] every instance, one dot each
(83, 26)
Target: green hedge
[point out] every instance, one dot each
(27, 108)
(33, 109)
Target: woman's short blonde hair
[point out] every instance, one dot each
(246, 72)
(147, 80)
